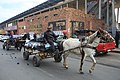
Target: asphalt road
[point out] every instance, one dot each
(13, 67)
(110, 59)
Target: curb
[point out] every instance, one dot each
(116, 51)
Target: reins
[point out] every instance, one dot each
(78, 47)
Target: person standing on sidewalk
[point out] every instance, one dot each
(117, 36)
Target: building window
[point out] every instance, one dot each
(31, 20)
(37, 13)
(39, 18)
(21, 20)
(23, 27)
(77, 25)
(46, 16)
(55, 14)
(58, 7)
(58, 25)
(72, 4)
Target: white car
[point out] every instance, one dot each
(4, 37)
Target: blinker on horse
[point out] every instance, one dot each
(86, 48)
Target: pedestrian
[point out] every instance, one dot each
(117, 36)
(65, 34)
(35, 36)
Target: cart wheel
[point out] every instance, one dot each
(25, 55)
(36, 61)
(3, 46)
(57, 56)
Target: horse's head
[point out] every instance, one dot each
(98, 34)
(94, 37)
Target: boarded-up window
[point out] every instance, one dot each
(58, 25)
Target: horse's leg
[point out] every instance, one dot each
(82, 61)
(94, 63)
(64, 59)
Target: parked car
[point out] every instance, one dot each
(3, 38)
(104, 48)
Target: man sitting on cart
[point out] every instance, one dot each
(50, 37)
(11, 38)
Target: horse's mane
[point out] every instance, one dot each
(92, 37)
(104, 34)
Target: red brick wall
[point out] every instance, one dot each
(68, 14)
(21, 27)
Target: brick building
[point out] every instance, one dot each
(63, 16)
(61, 19)
(68, 15)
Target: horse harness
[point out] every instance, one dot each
(79, 47)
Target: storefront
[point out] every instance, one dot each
(11, 29)
(76, 26)
(58, 25)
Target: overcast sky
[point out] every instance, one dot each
(10, 8)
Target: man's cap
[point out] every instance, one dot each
(65, 31)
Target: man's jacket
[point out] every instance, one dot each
(50, 35)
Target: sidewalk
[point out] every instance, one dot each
(117, 50)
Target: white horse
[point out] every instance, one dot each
(85, 48)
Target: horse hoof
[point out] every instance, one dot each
(81, 72)
(66, 67)
(90, 71)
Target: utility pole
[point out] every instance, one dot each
(108, 13)
(77, 4)
(113, 19)
(99, 9)
(85, 6)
